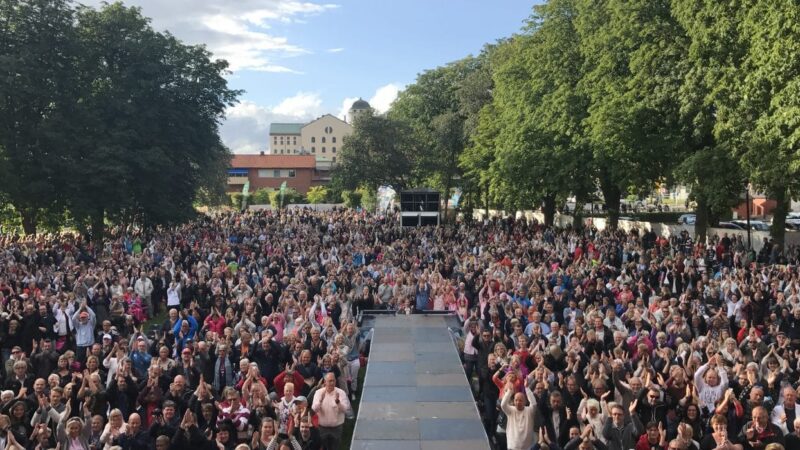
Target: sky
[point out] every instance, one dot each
(297, 60)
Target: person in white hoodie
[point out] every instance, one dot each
(519, 426)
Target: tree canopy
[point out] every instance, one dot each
(111, 120)
(615, 96)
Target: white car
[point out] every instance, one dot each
(687, 219)
(730, 226)
(755, 225)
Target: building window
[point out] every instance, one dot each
(263, 173)
(237, 172)
(313, 149)
(328, 130)
(294, 140)
(333, 150)
(313, 139)
(334, 159)
(276, 173)
(323, 149)
(275, 139)
(291, 173)
(333, 139)
(323, 139)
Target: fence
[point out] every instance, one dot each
(661, 229)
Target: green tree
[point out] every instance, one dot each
(759, 119)
(530, 138)
(632, 72)
(478, 157)
(713, 50)
(381, 151)
(37, 96)
(150, 115)
(317, 195)
(433, 106)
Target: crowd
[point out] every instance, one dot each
(572, 339)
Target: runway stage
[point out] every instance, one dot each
(415, 393)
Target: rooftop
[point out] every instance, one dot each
(325, 116)
(285, 128)
(360, 104)
(273, 162)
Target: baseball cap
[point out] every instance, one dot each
(106, 336)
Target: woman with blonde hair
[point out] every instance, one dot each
(115, 427)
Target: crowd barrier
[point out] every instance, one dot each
(661, 229)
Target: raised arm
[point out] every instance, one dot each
(698, 377)
(505, 405)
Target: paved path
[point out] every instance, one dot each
(415, 393)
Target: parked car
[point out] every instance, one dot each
(755, 225)
(730, 226)
(687, 219)
(793, 218)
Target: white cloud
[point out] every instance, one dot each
(335, 50)
(246, 128)
(276, 69)
(237, 31)
(383, 98)
(304, 104)
(380, 101)
(346, 104)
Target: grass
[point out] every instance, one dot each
(350, 425)
(155, 321)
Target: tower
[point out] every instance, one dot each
(359, 107)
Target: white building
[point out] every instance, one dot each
(322, 137)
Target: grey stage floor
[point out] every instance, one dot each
(415, 393)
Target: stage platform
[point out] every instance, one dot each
(415, 393)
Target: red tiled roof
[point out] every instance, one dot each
(273, 162)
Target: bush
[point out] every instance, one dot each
(317, 194)
(290, 196)
(352, 198)
(236, 200)
(261, 196)
(369, 198)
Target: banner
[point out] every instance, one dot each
(245, 193)
(283, 192)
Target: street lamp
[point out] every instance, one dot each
(747, 205)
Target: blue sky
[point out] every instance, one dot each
(299, 59)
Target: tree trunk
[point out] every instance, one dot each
(487, 200)
(549, 210)
(701, 220)
(611, 194)
(446, 200)
(577, 214)
(98, 228)
(28, 216)
(778, 229)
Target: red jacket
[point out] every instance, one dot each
(644, 444)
